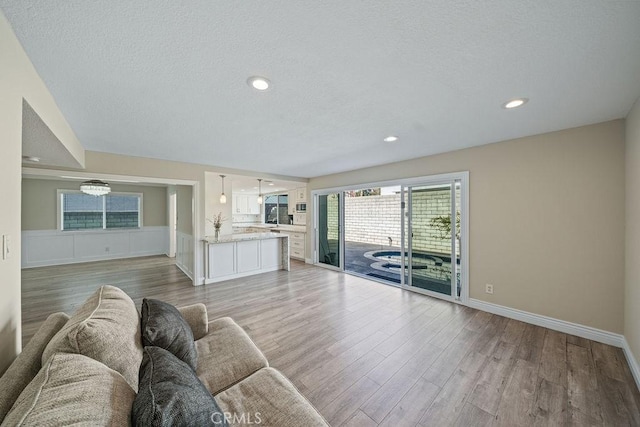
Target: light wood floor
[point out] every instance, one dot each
(367, 354)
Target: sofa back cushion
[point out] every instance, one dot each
(72, 389)
(28, 363)
(105, 328)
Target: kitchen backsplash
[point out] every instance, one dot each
(237, 218)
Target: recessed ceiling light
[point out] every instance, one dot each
(31, 159)
(271, 183)
(391, 138)
(259, 83)
(515, 103)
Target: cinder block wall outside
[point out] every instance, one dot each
(373, 219)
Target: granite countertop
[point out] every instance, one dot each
(228, 238)
(283, 227)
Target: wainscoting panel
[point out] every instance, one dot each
(54, 247)
(184, 253)
(47, 249)
(89, 247)
(139, 243)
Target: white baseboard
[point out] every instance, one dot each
(588, 332)
(632, 361)
(184, 270)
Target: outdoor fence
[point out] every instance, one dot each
(373, 219)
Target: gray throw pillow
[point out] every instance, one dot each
(170, 394)
(163, 326)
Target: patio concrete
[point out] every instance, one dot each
(356, 262)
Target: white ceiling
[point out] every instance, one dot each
(250, 186)
(241, 184)
(167, 79)
(40, 142)
(29, 174)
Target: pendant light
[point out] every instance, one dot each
(259, 191)
(223, 198)
(95, 187)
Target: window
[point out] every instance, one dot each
(276, 209)
(81, 211)
(122, 211)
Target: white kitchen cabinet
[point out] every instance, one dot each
(222, 260)
(239, 255)
(301, 195)
(248, 253)
(237, 204)
(300, 219)
(246, 205)
(253, 207)
(271, 253)
(297, 243)
(291, 200)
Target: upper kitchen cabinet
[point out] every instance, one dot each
(301, 195)
(291, 196)
(246, 205)
(252, 203)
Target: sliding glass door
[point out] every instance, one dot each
(329, 229)
(409, 233)
(432, 238)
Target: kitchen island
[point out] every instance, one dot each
(246, 254)
(297, 235)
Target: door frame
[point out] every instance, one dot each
(407, 208)
(173, 215)
(316, 219)
(462, 176)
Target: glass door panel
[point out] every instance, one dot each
(329, 230)
(458, 234)
(431, 261)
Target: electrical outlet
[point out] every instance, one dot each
(106, 249)
(488, 288)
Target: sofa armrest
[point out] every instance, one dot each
(25, 367)
(196, 317)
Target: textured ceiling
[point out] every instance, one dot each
(38, 141)
(167, 79)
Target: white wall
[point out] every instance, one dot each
(632, 233)
(18, 81)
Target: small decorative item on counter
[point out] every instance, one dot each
(217, 223)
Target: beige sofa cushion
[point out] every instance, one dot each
(72, 389)
(196, 317)
(269, 399)
(105, 328)
(226, 355)
(28, 363)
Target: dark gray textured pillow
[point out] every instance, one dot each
(170, 394)
(163, 326)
